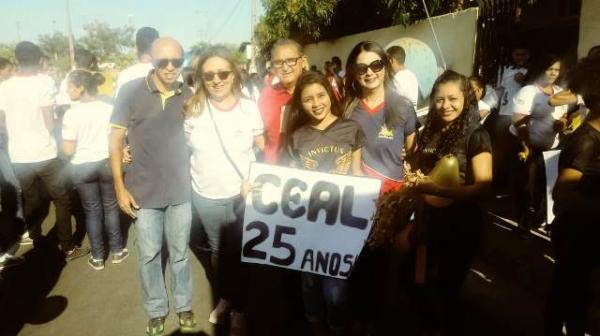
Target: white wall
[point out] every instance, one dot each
(589, 26)
(456, 33)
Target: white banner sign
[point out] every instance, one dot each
(551, 165)
(307, 221)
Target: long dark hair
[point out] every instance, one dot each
(297, 117)
(87, 79)
(537, 68)
(195, 104)
(352, 88)
(459, 126)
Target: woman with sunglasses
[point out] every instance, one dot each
(389, 122)
(222, 129)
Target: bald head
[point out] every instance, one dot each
(167, 58)
(166, 47)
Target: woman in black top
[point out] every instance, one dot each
(451, 228)
(576, 228)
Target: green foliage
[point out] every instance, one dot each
(106, 42)
(284, 16)
(311, 20)
(7, 50)
(238, 56)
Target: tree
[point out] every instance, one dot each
(237, 55)
(7, 50)
(312, 20)
(56, 47)
(109, 44)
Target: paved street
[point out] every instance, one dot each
(504, 293)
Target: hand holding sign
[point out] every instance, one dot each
(307, 221)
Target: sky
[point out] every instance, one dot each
(189, 21)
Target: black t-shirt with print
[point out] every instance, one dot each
(475, 141)
(329, 150)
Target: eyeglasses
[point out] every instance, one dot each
(375, 66)
(162, 63)
(288, 61)
(210, 76)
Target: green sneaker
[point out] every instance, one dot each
(155, 326)
(187, 322)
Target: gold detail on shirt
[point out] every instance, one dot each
(309, 163)
(342, 164)
(385, 132)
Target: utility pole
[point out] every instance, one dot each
(70, 36)
(252, 39)
(18, 31)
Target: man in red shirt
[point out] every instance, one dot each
(288, 63)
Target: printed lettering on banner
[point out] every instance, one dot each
(307, 221)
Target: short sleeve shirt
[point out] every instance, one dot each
(533, 102)
(213, 175)
(272, 104)
(88, 125)
(383, 147)
(582, 152)
(23, 98)
(329, 150)
(475, 141)
(407, 85)
(159, 175)
(509, 87)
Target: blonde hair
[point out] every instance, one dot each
(195, 105)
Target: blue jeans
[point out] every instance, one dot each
(325, 298)
(220, 228)
(170, 225)
(94, 184)
(11, 206)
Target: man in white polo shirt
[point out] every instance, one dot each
(405, 80)
(144, 38)
(26, 105)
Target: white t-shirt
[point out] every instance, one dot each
(532, 101)
(63, 98)
(88, 125)
(407, 85)
(135, 71)
(22, 99)
(483, 106)
(213, 175)
(508, 88)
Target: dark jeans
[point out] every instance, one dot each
(94, 184)
(52, 176)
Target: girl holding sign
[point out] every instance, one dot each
(455, 151)
(319, 140)
(222, 128)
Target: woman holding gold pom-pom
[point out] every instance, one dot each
(454, 152)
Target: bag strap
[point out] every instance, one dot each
(237, 170)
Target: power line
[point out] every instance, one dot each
(228, 17)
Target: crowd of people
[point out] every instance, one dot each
(165, 150)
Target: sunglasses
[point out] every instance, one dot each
(288, 61)
(210, 76)
(162, 63)
(375, 66)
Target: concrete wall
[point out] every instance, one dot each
(589, 27)
(456, 34)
